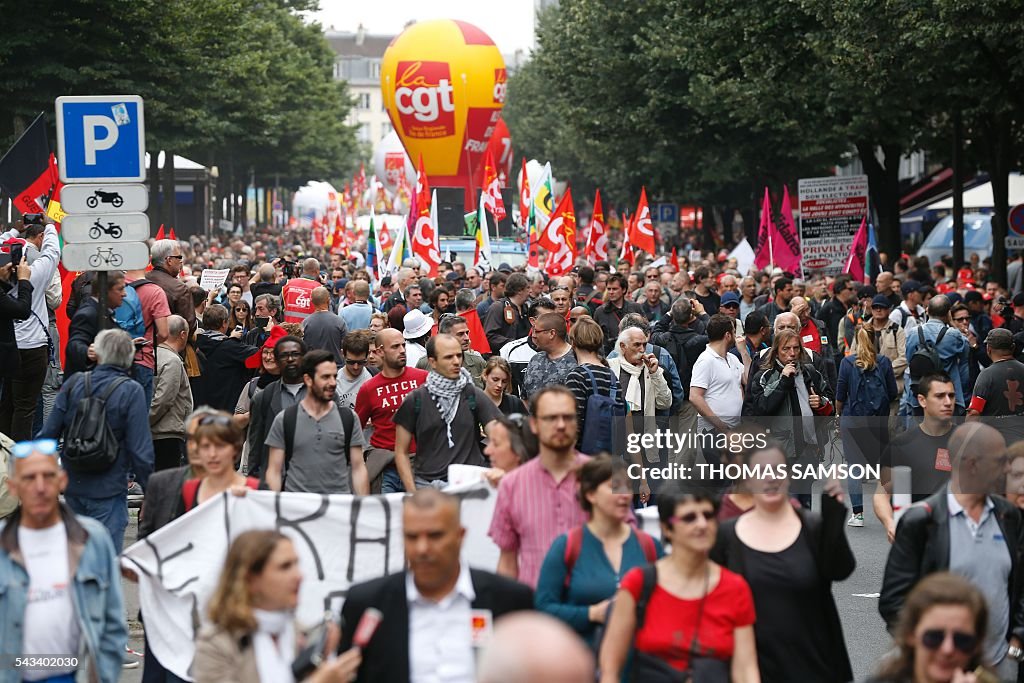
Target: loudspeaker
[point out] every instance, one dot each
(450, 209)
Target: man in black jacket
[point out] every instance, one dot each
(282, 393)
(685, 345)
(86, 324)
(615, 307)
(844, 294)
(505, 321)
(404, 648)
(223, 361)
(12, 309)
(965, 529)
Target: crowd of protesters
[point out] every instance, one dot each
(306, 372)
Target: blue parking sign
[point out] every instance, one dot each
(101, 139)
(668, 213)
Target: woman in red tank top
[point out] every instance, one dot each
(219, 441)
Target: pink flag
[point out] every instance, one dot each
(855, 264)
(778, 243)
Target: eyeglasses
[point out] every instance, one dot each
(879, 308)
(220, 420)
(962, 319)
(358, 363)
(241, 309)
(691, 517)
(179, 257)
(730, 305)
(933, 639)
(23, 449)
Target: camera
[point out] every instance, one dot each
(32, 219)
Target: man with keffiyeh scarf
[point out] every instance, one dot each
(445, 416)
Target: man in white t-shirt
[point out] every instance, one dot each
(716, 384)
(36, 547)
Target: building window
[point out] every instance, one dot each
(386, 127)
(364, 132)
(363, 101)
(374, 69)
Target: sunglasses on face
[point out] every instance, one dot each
(179, 257)
(933, 639)
(24, 449)
(879, 308)
(220, 420)
(357, 363)
(961, 319)
(730, 305)
(691, 517)
(241, 309)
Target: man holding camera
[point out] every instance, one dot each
(35, 346)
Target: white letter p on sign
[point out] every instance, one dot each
(90, 124)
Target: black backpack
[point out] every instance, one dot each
(599, 420)
(89, 443)
(925, 359)
(291, 416)
(678, 344)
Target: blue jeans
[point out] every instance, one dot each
(391, 482)
(144, 376)
(110, 512)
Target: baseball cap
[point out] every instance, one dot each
(910, 286)
(385, 281)
(881, 300)
(452, 276)
(504, 268)
(1000, 338)
(340, 283)
(730, 298)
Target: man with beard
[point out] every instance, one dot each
(445, 416)
(315, 445)
(272, 399)
(379, 399)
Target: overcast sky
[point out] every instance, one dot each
(509, 23)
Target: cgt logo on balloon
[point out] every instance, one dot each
(424, 98)
(500, 85)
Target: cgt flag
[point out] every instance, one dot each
(626, 251)
(28, 172)
(492, 188)
(597, 237)
(425, 239)
(642, 230)
(559, 237)
(525, 198)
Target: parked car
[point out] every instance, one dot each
(977, 238)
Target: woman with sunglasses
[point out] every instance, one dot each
(252, 634)
(790, 559)
(684, 613)
(497, 375)
(241, 315)
(939, 635)
(584, 566)
(219, 443)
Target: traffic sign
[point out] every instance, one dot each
(101, 138)
(667, 213)
(86, 198)
(116, 227)
(105, 256)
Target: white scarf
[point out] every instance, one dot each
(634, 393)
(274, 659)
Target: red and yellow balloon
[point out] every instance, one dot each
(444, 85)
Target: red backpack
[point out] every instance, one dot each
(574, 543)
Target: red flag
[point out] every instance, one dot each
(597, 236)
(675, 259)
(642, 231)
(559, 237)
(858, 252)
(525, 198)
(764, 234)
(171, 235)
(160, 232)
(425, 243)
(28, 171)
(492, 188)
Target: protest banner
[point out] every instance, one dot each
(340, 540)
(831, 211)
(213, 279)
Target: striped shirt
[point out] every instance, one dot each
(532, 511)
(579, 384)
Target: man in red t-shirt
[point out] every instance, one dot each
(155, 312)
(377, 402)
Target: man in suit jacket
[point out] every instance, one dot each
(434, 613)
(964, 529)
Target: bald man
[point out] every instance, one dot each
(966, 529)
(530, 646)
(298, 292)
(324, 329)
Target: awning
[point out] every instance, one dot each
(980, 197)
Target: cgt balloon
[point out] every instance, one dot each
(444, 85)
